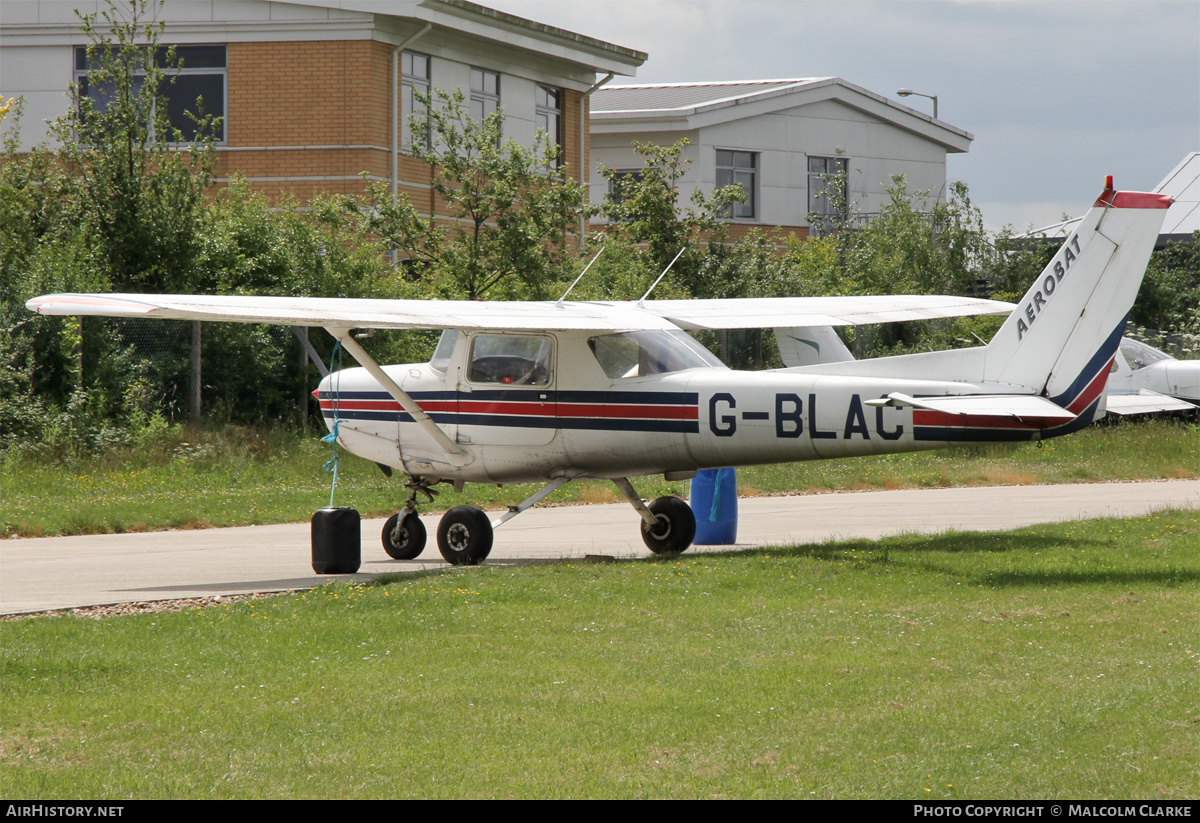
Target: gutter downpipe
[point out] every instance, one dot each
(395, 106)
(582, 161)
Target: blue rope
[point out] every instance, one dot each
(714, 511)
(332, 437)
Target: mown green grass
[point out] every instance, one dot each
(1051, 662)
(236, 477)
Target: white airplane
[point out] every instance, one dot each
(1145, 380)
(554, 391)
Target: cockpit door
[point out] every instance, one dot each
(508, 395)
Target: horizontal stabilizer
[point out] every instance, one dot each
(1145, 402)
(1012, 406)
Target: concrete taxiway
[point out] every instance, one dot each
(65, 572)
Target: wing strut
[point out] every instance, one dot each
(406, 402)
(513, 511)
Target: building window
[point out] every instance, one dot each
(739, 167)
(198, 88)
(827, 192)
(548, 103)
(414, 90)
(618, 182)
(485, 94)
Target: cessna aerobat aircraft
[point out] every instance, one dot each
(554, 391)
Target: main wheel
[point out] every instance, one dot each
(464, 536)
(676, 526)
(404, 536)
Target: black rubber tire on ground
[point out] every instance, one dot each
(411, 540)
(464, 536)
(676, 526)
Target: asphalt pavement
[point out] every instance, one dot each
(51, 573)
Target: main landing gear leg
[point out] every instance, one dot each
(404, 534)
(668, 525)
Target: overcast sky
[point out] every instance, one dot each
(1057, 94)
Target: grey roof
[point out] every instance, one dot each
(686, 97)
(1183, 183)
(624, 107)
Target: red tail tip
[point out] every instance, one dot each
(1108, 183)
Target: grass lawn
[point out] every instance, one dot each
(1051, 662)
(233, 477)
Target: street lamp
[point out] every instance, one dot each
(933, 97)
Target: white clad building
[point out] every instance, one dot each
(781, 138)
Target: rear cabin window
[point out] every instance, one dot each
(511, 360)
(643, 353)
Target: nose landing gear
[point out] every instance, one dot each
(404, 534)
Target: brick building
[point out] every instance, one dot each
(314, 94)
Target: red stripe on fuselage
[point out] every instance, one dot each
(634, 411)
(525, 409)
(926, 417)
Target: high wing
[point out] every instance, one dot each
(691, 315)
(846, 310)
(343, 312)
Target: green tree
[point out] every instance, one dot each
(502, 210)
(643, 208)
(920, 244)
(122, 203)
(140, 189)
(1170, 291)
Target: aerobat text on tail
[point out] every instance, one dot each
(550, 392)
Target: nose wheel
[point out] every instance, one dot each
(404, 536)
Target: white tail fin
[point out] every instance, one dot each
(1062, 337)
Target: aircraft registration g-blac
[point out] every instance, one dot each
(554, 391)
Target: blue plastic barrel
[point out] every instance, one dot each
(714, 502)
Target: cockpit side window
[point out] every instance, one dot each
(511, 360)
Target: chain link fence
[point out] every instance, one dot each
(201, 371)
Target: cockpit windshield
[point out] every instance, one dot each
(445, 349)
(643, 353)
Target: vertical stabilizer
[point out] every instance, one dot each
(810, 346)
(1063, 335)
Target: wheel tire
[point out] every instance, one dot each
(407, 541)
(676, 526)
(464, 536)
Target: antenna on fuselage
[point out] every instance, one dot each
(581, 274)
(661, 276)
